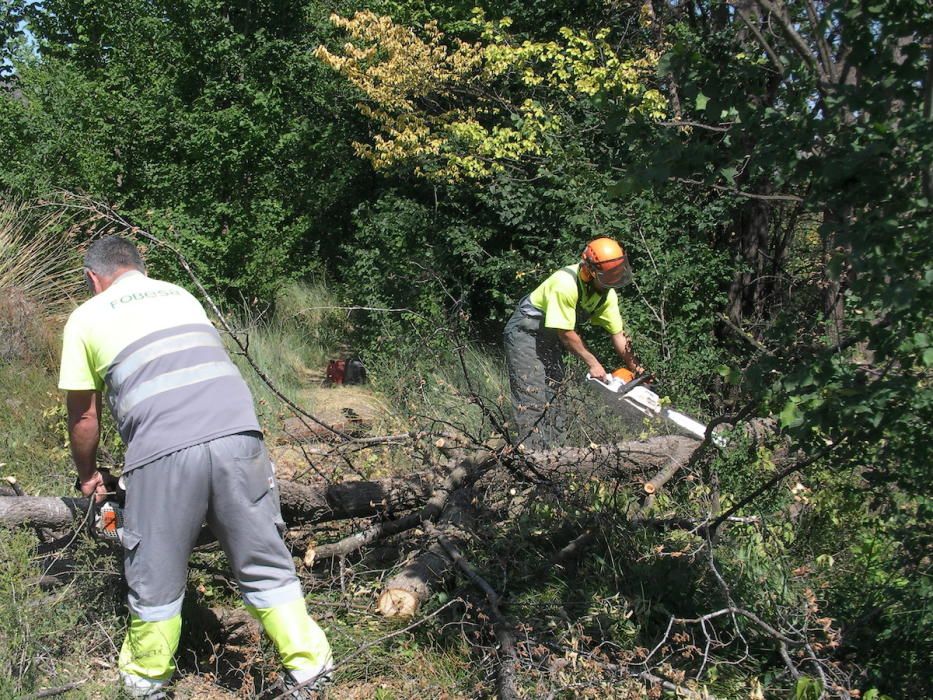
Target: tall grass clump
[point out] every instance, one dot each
(291, 341)
(44, 635)
(463, 386)
(40, 278)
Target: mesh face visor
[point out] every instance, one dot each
(617, 274)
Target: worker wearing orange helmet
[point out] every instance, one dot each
(544, 325)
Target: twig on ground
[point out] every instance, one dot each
(50, 692)
(506, 683)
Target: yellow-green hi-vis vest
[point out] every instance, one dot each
(563, 296)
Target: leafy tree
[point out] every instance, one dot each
(441, 109)
(198, 118)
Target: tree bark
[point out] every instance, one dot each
(41, 511)
(404, 593)
(615, 459)
(319, 503)
(301, 503)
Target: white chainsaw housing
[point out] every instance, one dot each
(647, 403)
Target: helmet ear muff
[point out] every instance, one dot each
(605, 261)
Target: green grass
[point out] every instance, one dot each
(33, 431)
(621, 593)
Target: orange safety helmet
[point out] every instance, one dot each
(606, 262)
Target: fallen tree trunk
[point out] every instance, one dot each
(318, 503)
(403, 594)
(467, 472)
(42, 511)
(301, 503)
(614, 459)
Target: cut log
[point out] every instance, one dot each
(404, 593)
(12, 486)
(42, 511)
(666, 474)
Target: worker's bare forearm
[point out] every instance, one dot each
(85, 436)
(574, 343)
(624, 350)
(84, 431)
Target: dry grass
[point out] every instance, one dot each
(40, 279)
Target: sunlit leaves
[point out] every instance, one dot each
(456, 110)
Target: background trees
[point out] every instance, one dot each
(766, 162)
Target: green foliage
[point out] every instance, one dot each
(197, 121)
(808, 689)
(672, 306)
(33, 450)
(794, 205)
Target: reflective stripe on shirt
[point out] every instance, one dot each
(157, 349)
(175, 380)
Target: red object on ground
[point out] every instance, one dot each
(335, 371)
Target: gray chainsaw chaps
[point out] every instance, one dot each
(533, 354)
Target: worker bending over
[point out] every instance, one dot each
(544, 324)
(194, 454)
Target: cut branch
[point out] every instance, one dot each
(403, 594)
(506, 683)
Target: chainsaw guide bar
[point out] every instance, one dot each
(632, 400)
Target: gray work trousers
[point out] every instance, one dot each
(534, 356)
(227, 483)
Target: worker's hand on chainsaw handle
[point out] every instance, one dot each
(574, 344)
(97, 486)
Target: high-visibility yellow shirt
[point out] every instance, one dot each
(563, 295)
(132, 307)
(168, 379)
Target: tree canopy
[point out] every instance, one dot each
(767, 164)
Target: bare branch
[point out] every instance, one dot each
(501, 627)
(772, 54)
(741, 193)
(779, 13)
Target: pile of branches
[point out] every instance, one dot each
(461, 489)
(436, 515)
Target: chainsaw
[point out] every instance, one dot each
(628, 395)
(108, 523)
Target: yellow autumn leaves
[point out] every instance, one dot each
(446, 108)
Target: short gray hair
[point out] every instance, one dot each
(106, 256)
